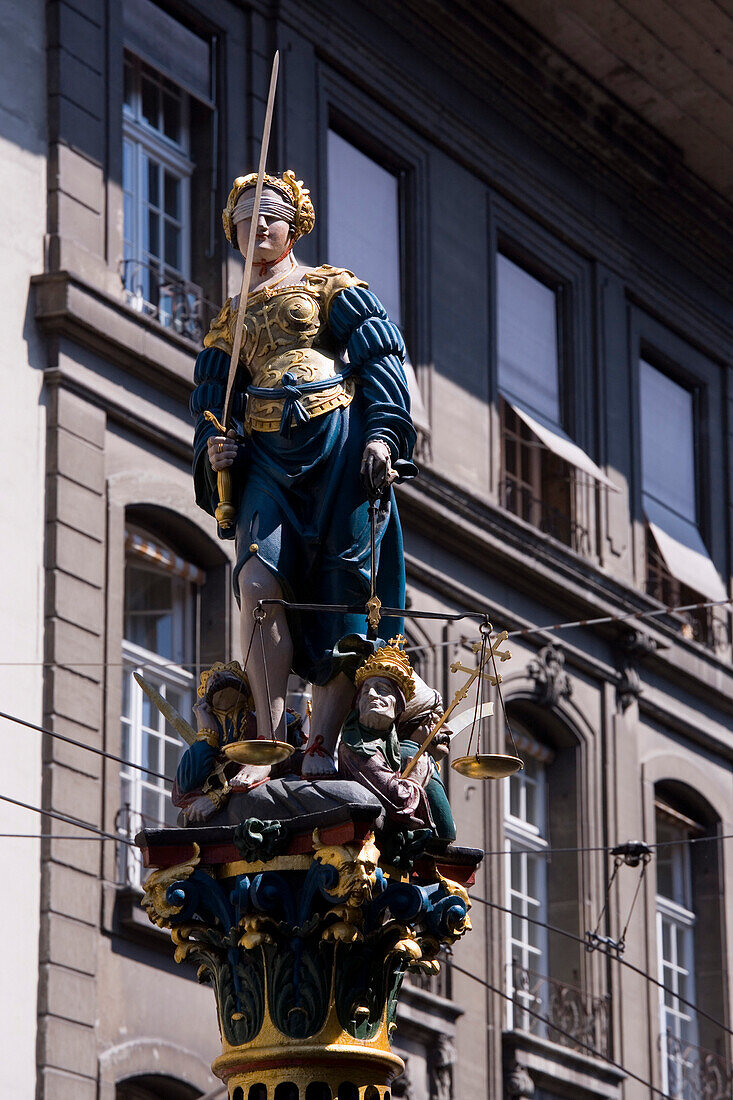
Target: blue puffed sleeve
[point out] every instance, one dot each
(195, 766)
(376, 353)
(210, 375)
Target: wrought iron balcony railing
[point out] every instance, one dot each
(520, 501)
(572, 1018)
(172, 301)
(691, 1073)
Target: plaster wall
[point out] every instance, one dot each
(22, 226)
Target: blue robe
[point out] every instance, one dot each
(301, 502)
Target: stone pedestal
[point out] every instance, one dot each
(305, 931)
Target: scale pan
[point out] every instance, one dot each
(260, 751)
(487, 765)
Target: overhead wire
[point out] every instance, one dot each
(561, 1031)
(533, 628)
(517, 851)
(602, 951)
(101, 834)
(68, 820)
(82, 745)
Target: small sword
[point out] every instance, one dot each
(169, 712)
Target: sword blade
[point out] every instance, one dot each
(249, 255)
(169, 712)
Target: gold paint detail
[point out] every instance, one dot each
(374, 611)
(285, 330)
(254, 547)
(487, 765)
(254, 932)
(289, 186)
(279, 863)
(154, 901)
(258, 751)
(219, 666)
(392, 662)
(209, 735)
(357, 877)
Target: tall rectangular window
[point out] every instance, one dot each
(678, 566)
(525, 825)
(676, 956)
(365, 236)
(528, 348)
(364, 221)
(156, 173)
(540, 462)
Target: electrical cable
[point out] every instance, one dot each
(101, 834)
(610, 955)
(518, 851)
(561, 1031)
(68, 820)
(82, 745)
(670, 609)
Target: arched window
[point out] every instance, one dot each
(155, 1086)
(161, 616)
(689, 944)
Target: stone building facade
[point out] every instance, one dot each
(543, 202)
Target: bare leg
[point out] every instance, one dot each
(331, 704)
(257, 583)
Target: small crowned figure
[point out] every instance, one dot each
(224, 714)
(369, 751)
(324, 410)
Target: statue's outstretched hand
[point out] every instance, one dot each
(222, 451)
(376, 465)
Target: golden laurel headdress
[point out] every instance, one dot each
(234, 668)
(391, 662)
(287, 185)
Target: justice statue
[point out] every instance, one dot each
(322, 400)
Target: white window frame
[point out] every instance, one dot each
(525, 841)
(163, 675)
(145, 140)
(676, 1020)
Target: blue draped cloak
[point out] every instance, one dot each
(301, 502)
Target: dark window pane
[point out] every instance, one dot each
(171, 117)
(150, 102)
(152, 242)
(127, 83)
(172, 195)
(172, 245)
(153, 183)
(152, 808)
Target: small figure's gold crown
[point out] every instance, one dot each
(233, 667)
(292, 189)
(389, 661)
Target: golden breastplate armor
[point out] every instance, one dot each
(282, 334)
(286, 332)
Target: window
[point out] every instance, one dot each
(156, 173)
(540, 462)
(365, 235)
(161, 598)
(676, 951)
(679, 570)
(525, 825)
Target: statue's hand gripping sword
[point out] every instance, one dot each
(225, 511)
